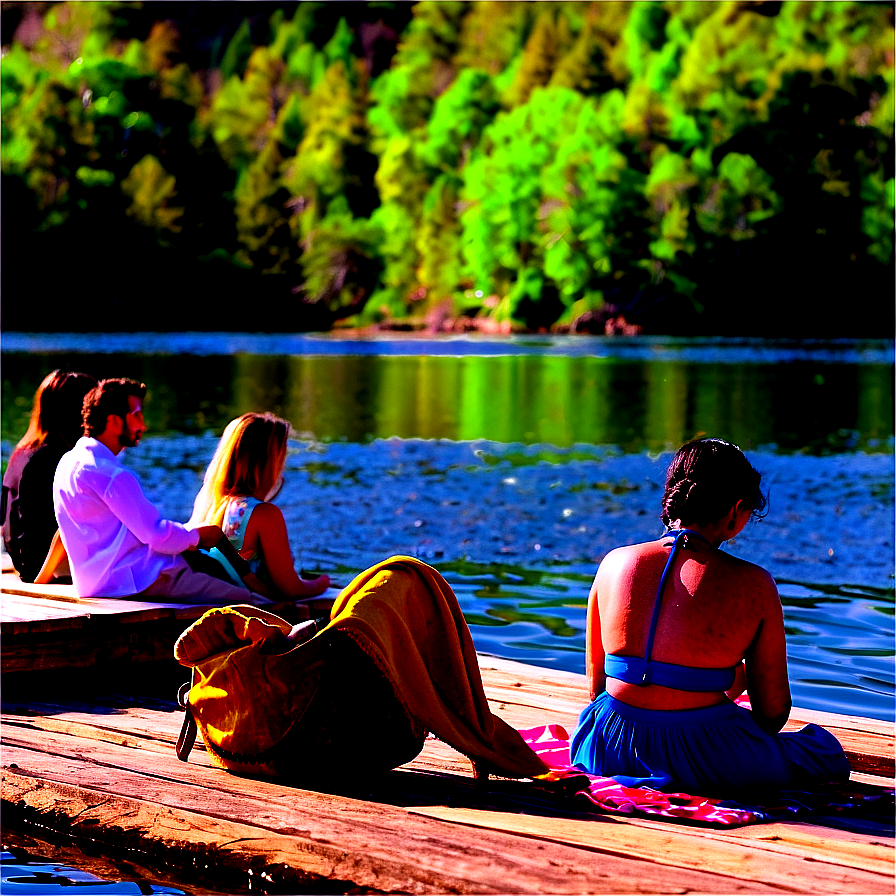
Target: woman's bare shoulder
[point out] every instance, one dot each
(745, 567)
(265, 514)
(750, 575)
(267, 509)
(627, 555)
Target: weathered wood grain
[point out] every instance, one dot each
(108, 770)
(95, 765)
(425, 828)
(369, 845)
(811, 860)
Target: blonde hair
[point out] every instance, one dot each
(248, 461)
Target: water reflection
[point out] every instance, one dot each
(30, 876)
(804, 406)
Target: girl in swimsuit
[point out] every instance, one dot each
(395, 661)
(677, 629)
(244, 474)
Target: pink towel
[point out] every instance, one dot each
(551, 743)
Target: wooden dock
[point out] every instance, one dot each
(103, 768)
(48, 628)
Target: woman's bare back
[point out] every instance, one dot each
(716, 610)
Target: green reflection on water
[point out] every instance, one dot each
(558, 400)
(554, 625)
(845, 590)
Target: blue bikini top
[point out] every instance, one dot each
(644, 671)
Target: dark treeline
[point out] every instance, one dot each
(662, 167)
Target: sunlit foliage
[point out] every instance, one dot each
(672, 166)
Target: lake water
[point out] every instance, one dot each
(21, 872)
(514, 465)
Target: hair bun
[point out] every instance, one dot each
(705, 479)
(676, 500)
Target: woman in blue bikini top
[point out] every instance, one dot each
(677, 624)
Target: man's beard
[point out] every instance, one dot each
(129, 440)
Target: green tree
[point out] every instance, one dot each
(422, 68)
(332, 158)
(402, 181)
(262, 203)
(539, 56)
(535, 161)
(342, 268)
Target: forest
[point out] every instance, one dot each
(673, 167)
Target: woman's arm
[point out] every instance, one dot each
(213, 537)
(766, 660)
(594, 648)
(740, 683)
(267, 528)
(55, 556)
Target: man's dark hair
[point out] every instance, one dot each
(109, 398)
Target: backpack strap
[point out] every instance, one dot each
(187, 736)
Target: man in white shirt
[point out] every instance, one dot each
(117, 543)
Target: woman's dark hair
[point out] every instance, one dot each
(57, 408)
(109, 399)
(706, 478)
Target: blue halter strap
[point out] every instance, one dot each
(680, 540)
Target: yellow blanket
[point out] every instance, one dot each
(244, 700)
(405, 616)
(248, 699)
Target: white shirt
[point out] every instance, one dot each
(116, 541)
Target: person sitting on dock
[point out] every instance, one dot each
(245, 472)
(117, 543)
(676, 629)
(345, 696)
(29, 522)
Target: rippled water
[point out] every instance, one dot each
(535, 463)
(519, 530)
(20, 872)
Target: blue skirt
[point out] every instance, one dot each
(718, 750)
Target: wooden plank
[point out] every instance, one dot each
(17, 731)
(162, 728)
(121, 763)
(330, 837)
(823, 866)
(68, 650)
(126, 608)
(667, 845)
(47, 616)
(17, 616)
(29, 608)
(800, 716)
(869, 753)
(45, 632)
(23, 604)
(10, 583)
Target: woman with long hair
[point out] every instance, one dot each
(29, 522)
(676, 630)
(346, 696)
(245, 473)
